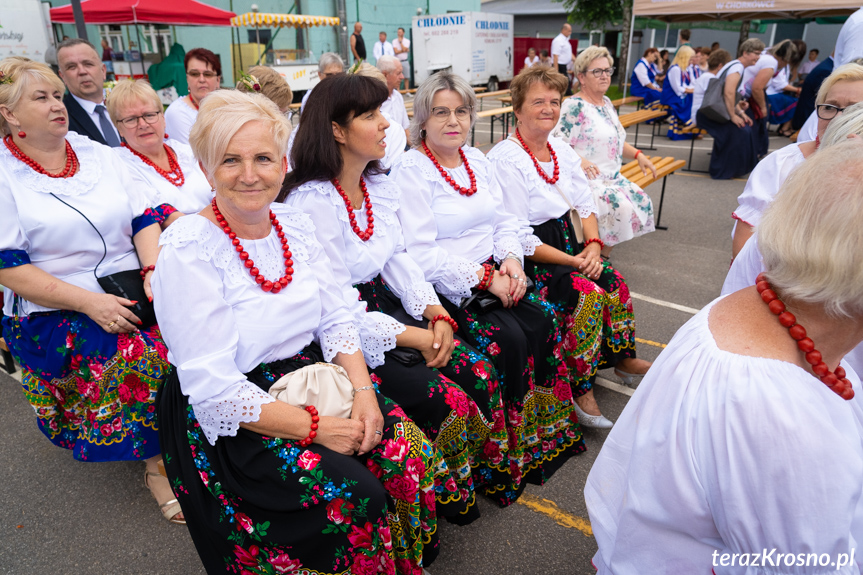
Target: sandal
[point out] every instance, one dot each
(171, 508)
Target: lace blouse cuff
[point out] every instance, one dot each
(378, 334)
(225, 417)
(342, 338)
(508, 245)
(418, 297)
(584, 211)
(458, 277)
(529, 244)
(747, 215)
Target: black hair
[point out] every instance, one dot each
(315, 154)
(815, 50)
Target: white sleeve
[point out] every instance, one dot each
(759, 191)
(377, 331)
(745, 268)
(516, 201)
(12, 236)
(580, 195)
(177, 124)
(506, 227)
(395, 140)
(809, 131)
(641, 73)
(451, 274)
(407, 281)
(675, 80)
(218, 391)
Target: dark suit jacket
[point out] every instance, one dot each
(80, 122)
(806, 101)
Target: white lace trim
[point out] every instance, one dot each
(477, 160)
(82, 182)
(385, 203)
(184, 154)
(379, 333)
(529, 244)
(225, 417)
(418, 297)
(342, 338)
(508, 244)
(459, 276)
(215, 246)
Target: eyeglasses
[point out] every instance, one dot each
(132, 121)
(828, 111)
(196, 74)
(598, 72)
(443, 113)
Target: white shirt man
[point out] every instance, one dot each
(849, 44)
(561, 49)
(394, 106)
(382, 47)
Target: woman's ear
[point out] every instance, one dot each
(8, 115)
(339, 133)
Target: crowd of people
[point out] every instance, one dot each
(321, 340)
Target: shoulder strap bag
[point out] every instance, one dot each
(713, 105)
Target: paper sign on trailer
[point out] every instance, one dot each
(478, 46)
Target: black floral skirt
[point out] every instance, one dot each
(257, 504)
(525, 346)
(596, 316)
(456, 406)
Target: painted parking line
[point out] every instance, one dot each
(608, 384)
(664, 303)
(550, 509)
(653, 343)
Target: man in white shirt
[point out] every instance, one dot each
(395, 104)
(83, 72)
(382, 47)
(401, 47)
(849, 44)
(561, 53)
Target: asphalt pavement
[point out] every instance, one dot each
(61, 516)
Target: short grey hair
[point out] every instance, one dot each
(329, 59)
(810, 236)
(590, 54)
(223, 113)
(850, 122)
(389, 63)
(749, 46)
(425, 95)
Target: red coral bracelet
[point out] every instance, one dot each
(146, 269)
(594, 241)
(487, 277)
(313, 432)
(447, 319)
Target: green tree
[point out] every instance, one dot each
(600, 13)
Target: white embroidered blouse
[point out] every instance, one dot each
(448, 234)
(190, 198)
(219, 324)
(530, 198)
(59, 240)
(355, 261)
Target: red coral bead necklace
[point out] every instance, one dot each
(835, 380)
(266, 285)
(370, 218)
(556, 176)
(449, 179)
(69, 170)
(174, 175)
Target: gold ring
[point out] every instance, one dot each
(112, 324)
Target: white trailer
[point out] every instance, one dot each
(25, 29)
(478, 46)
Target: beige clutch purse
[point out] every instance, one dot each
(324, 385)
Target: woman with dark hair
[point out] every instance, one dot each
(204, 74)
(407, 335)
(457, 230)
(644, 83)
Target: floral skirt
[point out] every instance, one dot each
(257, 504)
(525, 346)
(93, 391)
(624, 209)
(600, 324)
(456, 407)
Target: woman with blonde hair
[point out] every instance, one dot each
(677, 94)
(268, 486)
(165, 168)
(72, 216)
(843, 88)
(747, 435)
(589, 123)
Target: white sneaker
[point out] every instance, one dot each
(595, 421)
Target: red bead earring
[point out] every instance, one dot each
(22, 134)
(166, 135)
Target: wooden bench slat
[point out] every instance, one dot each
(628, 100)
(494, 112)
(492, 94)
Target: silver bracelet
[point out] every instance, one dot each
(364, 388)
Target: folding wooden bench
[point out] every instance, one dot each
(638, 118)
(664, 168)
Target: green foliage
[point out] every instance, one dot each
(593, 14)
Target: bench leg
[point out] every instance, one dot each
(659, 211)
(635, 143)
(691, 149)
(472, 135)
(8, 362)
(492, 128)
